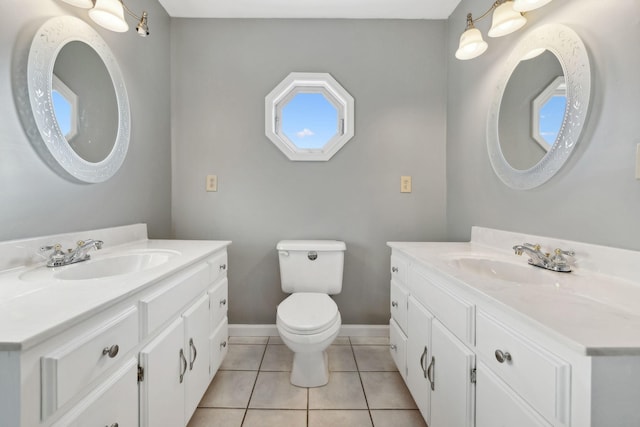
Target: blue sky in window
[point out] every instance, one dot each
(62, 109)
(551, 116)
(309, 120)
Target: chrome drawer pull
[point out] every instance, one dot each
(223, 301)
(113, 425)
(394, 269)
(394, 303)
(195, 353)
(502, 356)
(223, 266)
(423, 365)
(183, 361)
(393, 347)
(431, 371)
(111, 351)
(223, 345)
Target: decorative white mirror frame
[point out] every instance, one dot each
(52, 144)
(322, 83)
(567, 46)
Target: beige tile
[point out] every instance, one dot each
(344, 391)
(248, 340)
(374, 358)
(229, 389)
(211, 417)
(331, 418)
(276, 340)
(386, 390)
(395, 418)
(277, 358)
(341, 358)
(341, 341)
(273, 390)
(275, 418)
(369, 340)
(242, 357)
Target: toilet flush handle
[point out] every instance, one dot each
(284, 253)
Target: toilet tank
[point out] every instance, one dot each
(311, 265)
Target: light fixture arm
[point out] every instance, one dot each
(471, 21)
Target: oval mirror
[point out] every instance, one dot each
(540, 107)
(78, 100)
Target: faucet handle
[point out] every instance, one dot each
(56, 248)
(535, 247)
(570, 253)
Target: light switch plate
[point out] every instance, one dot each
(405, 184)
(212, 183)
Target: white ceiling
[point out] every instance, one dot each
(357, 9)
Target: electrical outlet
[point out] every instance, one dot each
(212, 183)
(405, 184)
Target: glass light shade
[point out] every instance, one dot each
(110, 15)
(85, 4)
(506, 20)
(527, 5)
(471, 44)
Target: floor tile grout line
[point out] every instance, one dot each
(361, 383)
(244, 417)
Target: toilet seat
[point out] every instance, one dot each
(307, 313)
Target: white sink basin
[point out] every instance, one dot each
(108, 266)
(500, 269)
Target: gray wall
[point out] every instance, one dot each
(595, 198)
(33, 199)
(221, 72)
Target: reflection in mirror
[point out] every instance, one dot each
(549, 69)
(85, 75)
(519, 120)
(65, 107)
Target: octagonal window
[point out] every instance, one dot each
(309, 116)
(548, 113)
(65, 106)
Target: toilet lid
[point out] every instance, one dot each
(307, 312)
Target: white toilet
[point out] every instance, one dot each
(308, 320)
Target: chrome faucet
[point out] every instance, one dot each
(58, 258)
(556, 262)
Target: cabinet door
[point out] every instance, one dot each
(398, 348)
(497, 405)
(419, 356)
(162, 389)
(196, 348)
(452, 395)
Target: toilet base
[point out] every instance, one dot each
(310, 369)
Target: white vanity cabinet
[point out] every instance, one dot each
(126, 352)
(399, 315)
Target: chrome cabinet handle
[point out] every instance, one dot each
(113, 425)
(501, 356)
(393, 347)
(223, 266)
(223, 344)
(394, 269)
(111, 351)
(195, 353)
(431, 371)
(183, 361)
(423, 366)
(223, 301)
(394, 303)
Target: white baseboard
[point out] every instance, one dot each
(236, 330)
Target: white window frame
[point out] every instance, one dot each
(296, 83)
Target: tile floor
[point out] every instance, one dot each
(252, 388)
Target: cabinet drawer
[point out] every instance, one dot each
(398, 348)
(161, 306)
(398, 307)
(539, 377)
(457, 314)
(218, 266)
(114, 402)
(68, 369)
(399, 269)
(219, 345)
(219, 297)
(499, 406)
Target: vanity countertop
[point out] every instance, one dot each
(591, 310)
(32, 311)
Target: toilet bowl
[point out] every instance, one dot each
(308, 323)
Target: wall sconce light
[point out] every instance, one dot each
(109, 14)
(508, 16)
